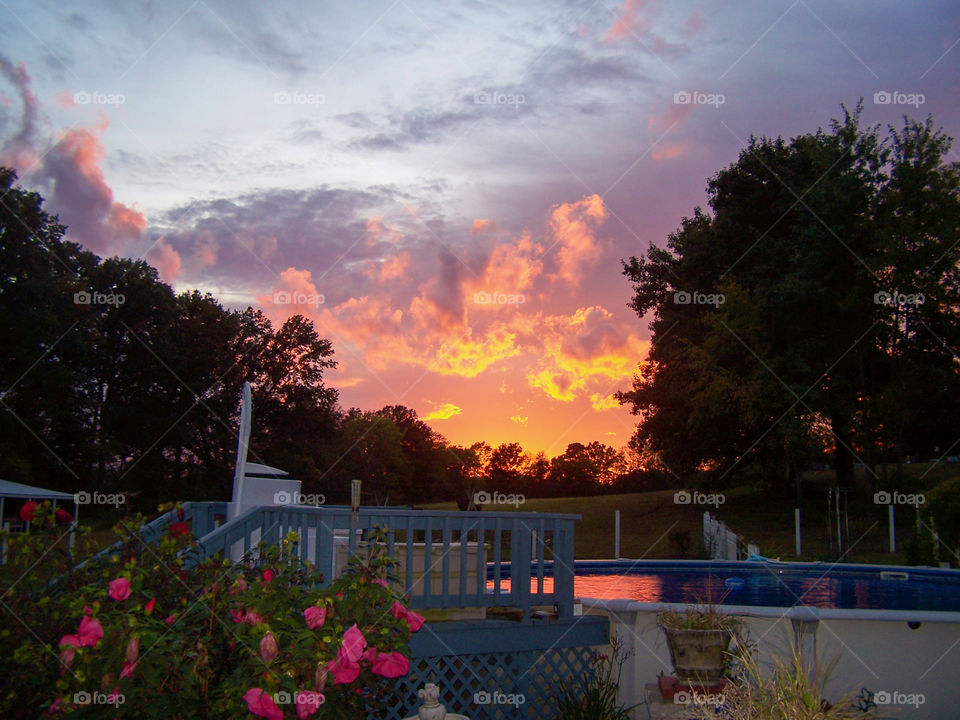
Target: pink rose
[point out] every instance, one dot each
(28, 511)
(169, 620)
(344, 671)
(398, 610)
(268, 576)
(261, 704)
(237, 615)
(128, 669)
(307, 703)
(63, 516)
(89, 632)
(315, 616)
(148, 608)
(414, 620)
(252, 618)
(353, 643)
(120, 589)
(391, 665)
(268, 648)
(369, 654)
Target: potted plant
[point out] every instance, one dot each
(698, 638)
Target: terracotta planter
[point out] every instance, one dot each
(698, 656)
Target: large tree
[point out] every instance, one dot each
(825, 275)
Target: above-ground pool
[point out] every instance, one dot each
(768, 584)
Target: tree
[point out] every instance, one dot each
(373, 453)
(465, 471)
(795, 303)
(423, 448)
(507, 468)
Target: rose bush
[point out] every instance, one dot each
(132, 634)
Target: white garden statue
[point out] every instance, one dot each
(431, 708)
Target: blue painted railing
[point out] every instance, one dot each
(202, 517)
(461, 549)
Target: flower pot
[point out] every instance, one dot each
(698, 656)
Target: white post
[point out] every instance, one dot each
(796, 528)
(616, 534)
(243, 444)
(893, 528)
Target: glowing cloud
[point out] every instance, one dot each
(572, 226)
(444, 412)
(520, 419)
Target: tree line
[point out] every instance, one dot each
(112, 382)
(812, 317)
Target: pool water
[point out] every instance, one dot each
(770, 584)
(781, 585)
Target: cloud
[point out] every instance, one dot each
(19, 151)
(520, 419)
(586, 354)
(444, 412)
(634, 17)
(670, 151)
(572, 226)
(166, 260)
(81, 197)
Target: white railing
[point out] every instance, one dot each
(720, 542)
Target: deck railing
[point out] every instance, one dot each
(444, 558)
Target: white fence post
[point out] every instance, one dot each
(616, 534)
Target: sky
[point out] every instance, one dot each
(447, 189)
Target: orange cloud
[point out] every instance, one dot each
(376, 230)
(572, 226)
(480, 226)
(669, 151)
(389, 269)
(520, 419)
(295, 294)
(444, 412)
(584, 354)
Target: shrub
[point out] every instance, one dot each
(133, 634)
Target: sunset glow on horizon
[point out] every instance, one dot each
(447, 192)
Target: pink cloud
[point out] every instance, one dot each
(83, 199)
(634, 17)
(166, 260)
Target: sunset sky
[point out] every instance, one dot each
(446, 188)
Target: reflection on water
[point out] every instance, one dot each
(770, 586)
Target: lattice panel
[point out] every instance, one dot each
(537, 674)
